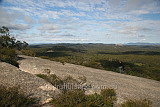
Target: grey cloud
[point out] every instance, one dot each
(137, 4)
(9, 20)
(132, 30)
(68, 35)
(133, 6)
(58, 35)
(48, 27)
(71, 13)
(44, 20)
(141, 36)
(7, 17)
(70, 40)
(28, 19)
(18, 26)
(54, 31)
(69, 27)
(114, 3)
(146, 29)
(86, 5)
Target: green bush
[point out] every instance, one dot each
(11, 97)
(28, 52)
(62, 83)
(52, 78)
(109, 96)
(9, 55)
(94, 100)
(70, 79)
(136, 103)
(77, 98)
(72, 98)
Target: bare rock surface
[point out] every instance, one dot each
(28, 83)
(126, 86)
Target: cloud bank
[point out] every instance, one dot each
(82, 21)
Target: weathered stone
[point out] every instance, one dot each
(28, 83)
(126, 86)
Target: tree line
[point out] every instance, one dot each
(8, 46)
(6, 41)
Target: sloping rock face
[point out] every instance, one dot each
(30, 84)
(126, 86)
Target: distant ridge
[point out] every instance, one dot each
(119, 44)
(141, 43)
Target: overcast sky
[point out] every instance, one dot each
(82, 21)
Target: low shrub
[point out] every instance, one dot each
(109, 96)
(28, 52)
(52, 78)
(77, 98)
(72, 98)
(9, 55)
(11, 97)
(58, 82)
(94, 100)
(70, 79)
(128, 68)
(136, 103)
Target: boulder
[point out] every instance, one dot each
(28, 83)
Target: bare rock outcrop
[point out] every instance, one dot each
(28, 83)
(126, 86)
